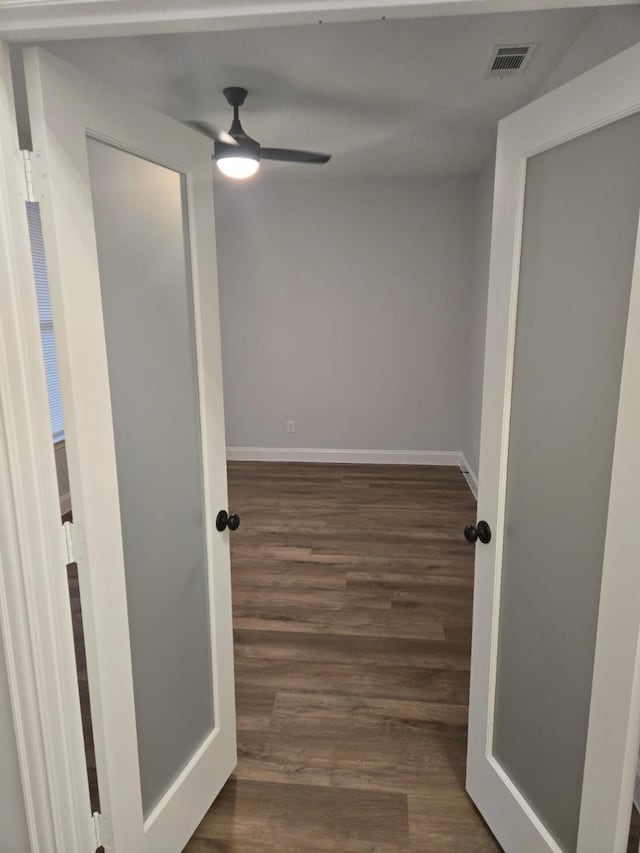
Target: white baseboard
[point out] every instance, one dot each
(374, 457)
(65, 503)
(469, 474)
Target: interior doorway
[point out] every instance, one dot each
(352, 591)
(373, 586)
(355, 619)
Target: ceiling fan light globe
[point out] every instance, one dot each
(237, 167)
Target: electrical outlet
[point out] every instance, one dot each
(291, 426)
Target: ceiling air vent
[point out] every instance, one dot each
(508, 60)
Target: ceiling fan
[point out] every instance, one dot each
(238, 155)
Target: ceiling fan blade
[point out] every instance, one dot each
(290, 155)
(210, 131)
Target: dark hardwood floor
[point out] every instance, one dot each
(634, 832)
(83, 683)
(352, 591)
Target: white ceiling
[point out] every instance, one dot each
(386, 98)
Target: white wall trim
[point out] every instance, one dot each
(469, 474)
(362, 457)
(35, 20)
(636, 791)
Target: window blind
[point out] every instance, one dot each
(46, 322)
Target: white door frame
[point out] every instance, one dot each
(34, 599)
(40, 654)
(608, 92)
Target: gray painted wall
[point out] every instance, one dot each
(13, 821)
(412, 392)
(609, 31)
(345, 308)
(478, 316)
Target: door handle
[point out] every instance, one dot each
(481, 531)
(223, 520)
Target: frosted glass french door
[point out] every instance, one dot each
(127, 212)
(554, 717)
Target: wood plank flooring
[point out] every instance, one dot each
(352, 610)
(352, 594)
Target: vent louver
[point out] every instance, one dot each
(509, 60)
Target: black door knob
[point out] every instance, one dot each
(481, 531)
(223, 520)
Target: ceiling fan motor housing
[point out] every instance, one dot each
(235, 95)
(243, 147)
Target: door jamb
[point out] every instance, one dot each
(34, 599)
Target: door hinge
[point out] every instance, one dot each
(30, 194)
(96, 820)
(101, 831)
(35, 179)
(73, 542)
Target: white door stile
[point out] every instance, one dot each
(614, 728)
(600, 96)
(66, 106)
(493, 791)
(35, 615)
